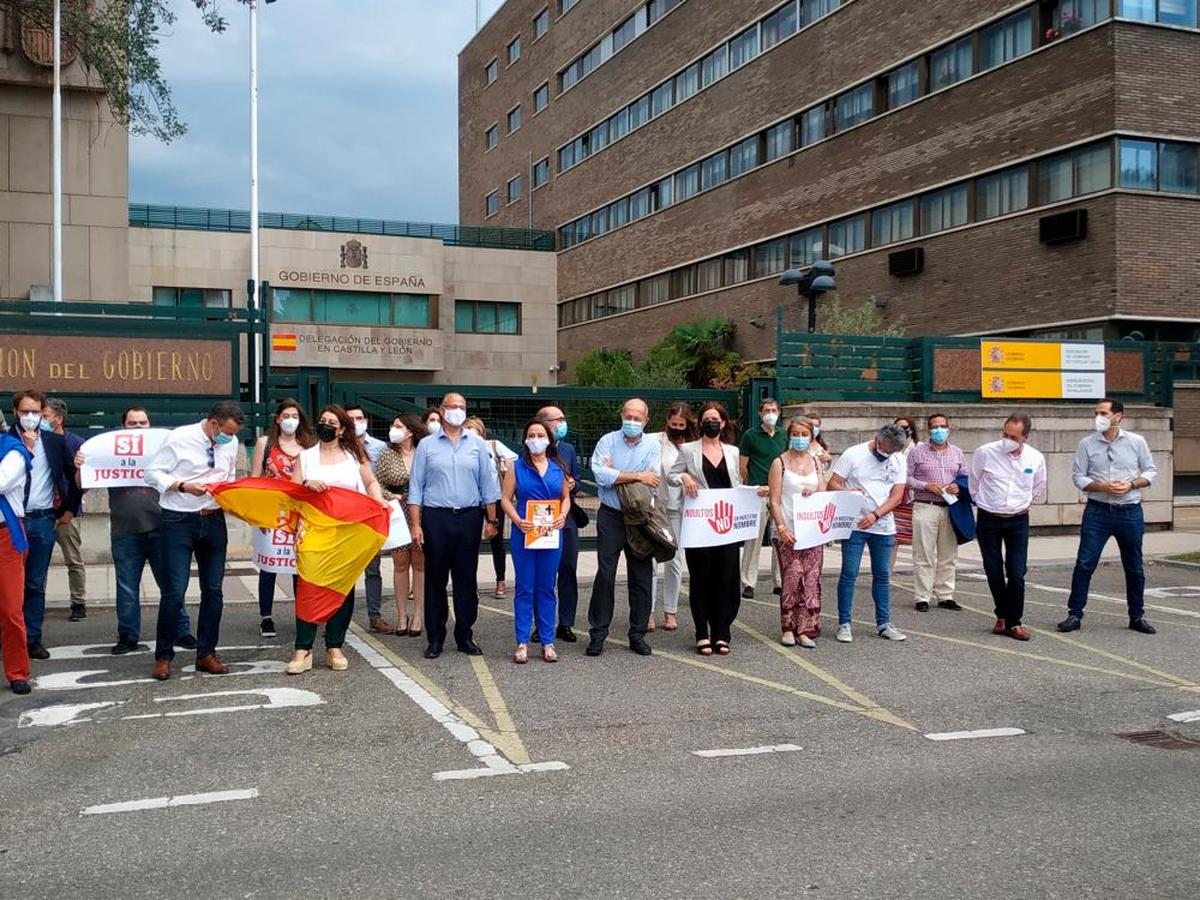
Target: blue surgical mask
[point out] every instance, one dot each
(799, 444)
(879, 455)
(45, 426)
(939, 435)
(222, 439)
(560, 431)
(816, 431)
(631, 428)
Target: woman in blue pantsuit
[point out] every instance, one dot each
(537, 474)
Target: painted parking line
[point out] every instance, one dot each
(747, 751)
(972, 735)
(1190, 716)
(170, 802)
(1092, 595)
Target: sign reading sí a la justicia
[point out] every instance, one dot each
(112, 365)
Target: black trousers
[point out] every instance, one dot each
(499, 551)
(610, 543)
(714, 589)
(1004, 547)
(451, 553)
(568, 580)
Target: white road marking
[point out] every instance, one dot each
(170, 802)
(494, 763)
(1092, 595)
(73, 679)
(91, 651)
(61, 714)
(978, 733)
(748, 751)
(277, 698)
(1191, 716)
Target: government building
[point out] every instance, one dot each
(972, 167)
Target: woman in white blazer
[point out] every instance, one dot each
(681, 428)
(714, 574)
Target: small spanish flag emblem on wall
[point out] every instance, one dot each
(284, 342)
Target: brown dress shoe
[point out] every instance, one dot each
(999, 627)
(162, 669)
(212, 665)
(382, 626)
(1019, 632)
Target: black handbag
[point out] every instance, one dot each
(579, 516)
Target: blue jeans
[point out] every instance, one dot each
(40, 531)
(184, 535)
(131, 553)
(880, 546)
(534, 597)
(1100, 522)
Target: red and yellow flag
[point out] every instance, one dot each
(338, 533)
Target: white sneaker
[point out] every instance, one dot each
(887, 632)
(843, 633)
(807, 642)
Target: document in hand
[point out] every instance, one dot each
(542, 513)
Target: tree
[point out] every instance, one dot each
(864, 319)
(118, 41)
(607, 367)
(697, 349)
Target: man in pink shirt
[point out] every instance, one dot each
(932, 469)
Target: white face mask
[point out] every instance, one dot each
(433, 426)
(397, 435)
(769, 419)
(360, 428)
(31, 421)
(537, 446)
(455, 416)
(1009, 445)
(289, 425)
(1103, 423)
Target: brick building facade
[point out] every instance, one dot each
(693, 149)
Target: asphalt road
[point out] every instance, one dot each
(374, 787)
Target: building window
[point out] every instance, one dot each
(1006, 40)
(687, 82)
(781, 139)
(654, 290)
(1169, 12)
(541, 23)
(1069, 16)
(541, 98)
(622, 299)
(714, 171)
(904, 85)
(662, 98)
(600, 222)
(743, 157)
(685, 281)
(564, 6)
(566, 157)
(1139, 165)
(514, 119)
(491, 137)
(618, 125)
(639, 205)
(656, 9)
(737, 267)
(639, 112)
(1002, 193)
(714, 66)
(492, 203)
(770, 258)
(514, 50)
(597, 138)
(893, 223)
(350, 308)
(1093, 168)
(743, 48)
(944, 209)
(1055, 178)
(491, 72)
(1076, 172)
(708, 275)
(812, 125)
(779, 25)
(805, 248)
(626, 31)
(618, 213)
(1179, 168)
(514, 189)
(847, 236)
(811, 10)
(541, 171)
(687, 183)
(951, 64)
(661, 194)
(855, 106)
(193, 298)
(486, 317)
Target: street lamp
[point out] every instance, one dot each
(811, 281)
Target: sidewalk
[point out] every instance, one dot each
(241, 581)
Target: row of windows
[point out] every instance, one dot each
(193, 298)
(1140, 165)
(351, 307)
(990, 46)
(541, 24)
(600, 52)
(541, 99)
(540, 174)
(733, 54)
(1167, 12)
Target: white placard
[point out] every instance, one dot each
(1085, 357)
(119, 458)
(723, 516)
(1082, 385)
(275, 551)
(827, 516)
(398, 533)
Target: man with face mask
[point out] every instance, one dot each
(1112, 466)
(759, 448)
(51, 498)
(621, 457)
(191, 460)
(373, 579)
(453, 480)
(877, 471)
(932, 470)
(134, 517)
(568, 583)
(66, 533)
(1006, 478)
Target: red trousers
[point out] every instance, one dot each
(12, 610)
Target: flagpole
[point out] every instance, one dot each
(255, 286)
(56, 115)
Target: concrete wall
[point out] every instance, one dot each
(1057, 430)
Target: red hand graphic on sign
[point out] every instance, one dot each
(722, 518)
(825, 523)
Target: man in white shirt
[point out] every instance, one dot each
(190, 461)
(1006, 478)
(878, 471)
(373, 577)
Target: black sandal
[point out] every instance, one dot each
(722, 648)
(704, 648)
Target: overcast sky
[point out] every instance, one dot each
(358, 109)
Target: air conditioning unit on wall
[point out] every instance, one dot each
(907, 262)
(1061, 228)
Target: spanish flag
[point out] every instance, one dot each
(338, 533)
(283, 342)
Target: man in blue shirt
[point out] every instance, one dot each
(453, 478)
(622, 457)
(568, 583)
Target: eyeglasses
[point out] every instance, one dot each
(212, 456)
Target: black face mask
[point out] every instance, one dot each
(677, 432)
(326, 432)
(711, 429)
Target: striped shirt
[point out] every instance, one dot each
(929, 466)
